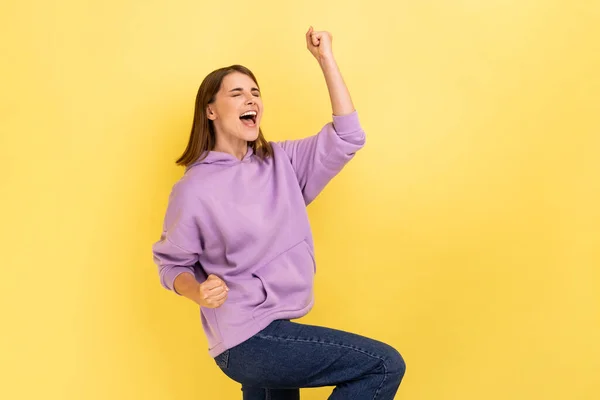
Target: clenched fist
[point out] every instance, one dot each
(212, 292)
(319, 44)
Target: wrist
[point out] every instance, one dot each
(185, 284)
(327, 62)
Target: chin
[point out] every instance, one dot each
(252, 136)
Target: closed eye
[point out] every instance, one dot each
(238, 91)
(255, 95)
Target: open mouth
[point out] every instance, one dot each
(248, 118)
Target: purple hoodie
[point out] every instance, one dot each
(245, 221)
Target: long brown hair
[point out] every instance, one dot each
(203, 135)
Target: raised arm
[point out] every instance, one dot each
(318, 158)
(319, 44)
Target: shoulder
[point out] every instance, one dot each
(277, 146)
(186, 190)
(282, 147)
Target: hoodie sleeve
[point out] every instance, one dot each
(317, 159)
(180, 243)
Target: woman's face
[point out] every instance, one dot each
(237, 110)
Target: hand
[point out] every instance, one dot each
(319, 44)
(212, 292)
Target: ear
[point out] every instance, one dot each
(210, 113)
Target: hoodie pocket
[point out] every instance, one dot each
(287, 281)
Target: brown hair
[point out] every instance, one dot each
(202, 137)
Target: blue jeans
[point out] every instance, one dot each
(286, 356)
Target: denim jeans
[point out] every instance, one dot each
(286, 356)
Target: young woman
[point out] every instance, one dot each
(237, 241)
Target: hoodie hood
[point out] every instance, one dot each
(222, 158)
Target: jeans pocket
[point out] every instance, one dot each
(222, 359)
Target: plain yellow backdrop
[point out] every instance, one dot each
(466, 233)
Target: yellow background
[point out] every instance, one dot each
(465, 233)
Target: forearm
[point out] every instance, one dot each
(186, 285)
(341, 102)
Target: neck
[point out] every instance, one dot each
(238, 149)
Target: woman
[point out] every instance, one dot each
(236, 240)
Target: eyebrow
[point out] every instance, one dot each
(240, 89)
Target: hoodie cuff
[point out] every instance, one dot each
(346, 123)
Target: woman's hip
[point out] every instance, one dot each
(288, 355)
